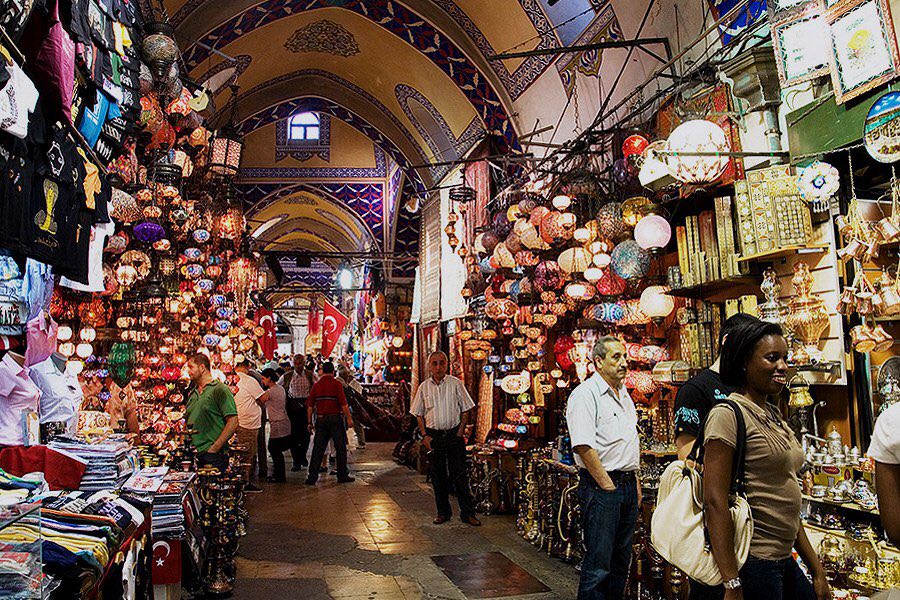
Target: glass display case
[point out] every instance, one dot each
(21, 574)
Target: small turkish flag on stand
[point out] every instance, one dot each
(268, 342)
(333, 323)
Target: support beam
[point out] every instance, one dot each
(638, 43)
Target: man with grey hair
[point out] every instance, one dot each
(442, 407)
(603, 428)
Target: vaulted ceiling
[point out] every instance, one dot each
(399, 84)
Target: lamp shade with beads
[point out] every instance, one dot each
(629, 260)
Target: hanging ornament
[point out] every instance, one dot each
(242, 278)
(818, 183)
(630, 261)
(690, 138)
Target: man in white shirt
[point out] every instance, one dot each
(885, 449)
(603, 428)
(249, 398)
(442, 407)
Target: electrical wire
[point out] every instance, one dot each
(541, 34)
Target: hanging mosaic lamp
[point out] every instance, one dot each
(242, 279)
(148, 232)
(630, 261)
(159, 50)
(610, 223)
(652, 233)
(697, 136)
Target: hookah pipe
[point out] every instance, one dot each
(566, 503)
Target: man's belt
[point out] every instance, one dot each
(617, 477)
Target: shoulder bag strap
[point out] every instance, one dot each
(738, 482)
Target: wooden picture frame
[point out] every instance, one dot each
(796, 58)
(782, 10)
(864, 50)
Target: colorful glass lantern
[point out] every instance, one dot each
(634, 144)
(574, 260)
(225, 152)
(697, 136)
(653, 232)
(242, 280)
(630, 261)
(631, 209)
(610, 223)
(561, 202)
(656, 303)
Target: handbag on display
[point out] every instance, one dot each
(678, 527)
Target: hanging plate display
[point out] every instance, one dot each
(882, 129)
(818, 183)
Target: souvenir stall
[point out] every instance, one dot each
(684, 228)
(122, 253)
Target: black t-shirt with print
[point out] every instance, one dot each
(696, 398)
(17, 163)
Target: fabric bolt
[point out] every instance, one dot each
(248, 391)
(773, 461)
(18, 98)
(206, 413)
(61, 394)
(441, 404)
(327, 396)
(18, 395)
(99, 234)
(695, 399)
(885, 444)
(606, 421)
(40, 334)
(276, 411)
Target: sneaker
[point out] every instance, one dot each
(347, 479)
(251, 489)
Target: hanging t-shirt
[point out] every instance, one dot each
(18, 98)
(61, 394)
(99, 235)
(92, 119)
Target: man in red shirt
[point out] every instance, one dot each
(327, 402)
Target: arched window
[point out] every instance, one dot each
(304, 126)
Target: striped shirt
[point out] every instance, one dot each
(441, 404)
(298, 385)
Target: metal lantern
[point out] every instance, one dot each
(242, 280)
(698, 137)
(159, 50)
(225, 152)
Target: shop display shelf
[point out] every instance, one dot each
(845, 505)
(719, 289)
(882, 544)
(827, 366)
(786, 251)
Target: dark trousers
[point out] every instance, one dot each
(277, 446)
(608, 520)
(296, 412)
(701, 591)
(261, 447)
(775, 580)
(447, 464)
(329, 428)
(216, 460)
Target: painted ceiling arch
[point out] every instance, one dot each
(390, 15)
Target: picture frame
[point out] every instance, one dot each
(781, 10)
(797, 59)
(864, 50)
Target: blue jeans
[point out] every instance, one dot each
(608, 520)
(775, 580)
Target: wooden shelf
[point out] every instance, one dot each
(734, 286)
(843, 534)
(782, 252)
(673, 454)
(828, 366)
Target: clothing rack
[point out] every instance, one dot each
(70, 127)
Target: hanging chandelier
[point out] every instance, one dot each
(242, 279)
(228, 145)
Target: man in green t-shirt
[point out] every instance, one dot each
(211, 414)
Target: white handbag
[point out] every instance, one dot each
(678, 530)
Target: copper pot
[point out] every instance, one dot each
(864, 304)
(883, 340)
(888, 230)
(891, 300)
(862, 338)
(872, 248)
(843, 225)
(854, 249)
(847, 304)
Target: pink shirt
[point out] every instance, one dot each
(18, 394)
(41, 335)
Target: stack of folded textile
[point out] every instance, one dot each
(110, 462)
(174, 505)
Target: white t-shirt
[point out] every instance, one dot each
(248, 392)
(17, 98)
(99, 234)
(885, 446)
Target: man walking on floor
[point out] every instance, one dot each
(297, 382)
(328, 404)
(211, 414)
(441, 407)
(603, 428)
(249, 399)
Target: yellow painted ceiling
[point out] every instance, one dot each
(383, 62)
(349, 148)
(504, 24)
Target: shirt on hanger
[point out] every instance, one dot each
(61, 394)
(99, 234)
(18, 395)
(18, 98)
(40, 333)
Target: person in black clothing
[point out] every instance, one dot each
(692, 403)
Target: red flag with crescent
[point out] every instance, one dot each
(333, 323)
(166, 562)
(312, 326)
(268, 342)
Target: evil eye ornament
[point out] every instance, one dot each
(211, 340)
(224, 312)
(206, 285)
(193, 253)
(488, 369)
(218, 300)
(223, 326)
(201, 236)
(192, 271)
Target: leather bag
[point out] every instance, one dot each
(678, 527)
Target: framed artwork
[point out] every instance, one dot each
(802, 45)
(864, 51)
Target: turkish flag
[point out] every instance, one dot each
(312, 326)
(333, 323)
(268, 342)
(166, 562)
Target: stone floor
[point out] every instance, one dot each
(374, 540)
